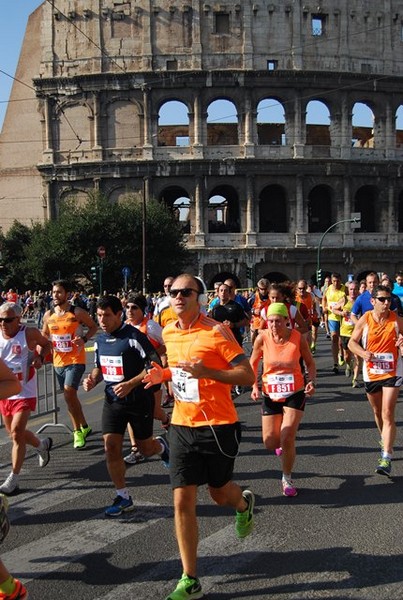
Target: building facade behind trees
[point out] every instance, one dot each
(240, 117)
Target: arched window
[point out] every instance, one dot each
(364, 203)
(178, 201)
(223, 210)
(363, 126)
(399, 127)
(222, 123)
(173, 124)
(270, 123)
(319, 209)
(273, 210)
(317, 124)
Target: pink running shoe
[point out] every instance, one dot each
(289, 488)
(278, 451)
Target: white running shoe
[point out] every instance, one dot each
(10, 485)
(44, 455)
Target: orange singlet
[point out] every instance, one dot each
(63, 329)
(380, 339)
(282, 376)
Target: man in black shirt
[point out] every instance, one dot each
(229, 312)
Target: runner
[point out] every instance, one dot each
(62, 325)
(17, 349)
(204, 362)
(334, 294)
(378, 331)
(352, 361)
(259, 301)
(121, 355)
(283, 387)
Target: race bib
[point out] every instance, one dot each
(184, 387)
(112, 368)
(62, 343)
(17, 370)
(383, 363)
(279, 387)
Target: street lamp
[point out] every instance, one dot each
(354, 219)
(144, 231)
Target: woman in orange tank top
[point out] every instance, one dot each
(283, 387)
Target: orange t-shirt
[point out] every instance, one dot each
(200, 402)
(380, 339)
(63, 329)
(282, 374)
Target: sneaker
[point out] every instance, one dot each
(384, 467)
(188, 587)
(134, 457)
(335, 369)
(44, 455)
(20, 592)
(244, 520)
(4, 521)
(328, 336)
(348, 370)
(278, 451)
(119, 506)
(238, 390)
(341, 360)
(355, 384)
(165, 455)
(86, 431)
(78, 439)
(10, 485)
(313, 350)
(289, 488)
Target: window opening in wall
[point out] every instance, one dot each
(221, 23)
(172, 65)
(272, 65)
(318, 25)
(182, 140)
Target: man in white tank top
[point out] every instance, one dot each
(18, 349)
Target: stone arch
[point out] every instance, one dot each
(178, 201)
(273, 209)
(221, 276)
(363, 120)
(320, 202)
(173, 123)
(78, 195)
(271, 122)
(276, 277)
(222, 123)
(317, 123)
(123, 124)
(73, 131)
(365, 201)
(119, 194)
(223, 210)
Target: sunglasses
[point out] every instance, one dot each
(185, 292)
(384, 299)
(132, 307)
(7, 319)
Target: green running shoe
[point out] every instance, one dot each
(244, 520)
(78, 439)
(86, 431)
(384, 467)
(187, 588)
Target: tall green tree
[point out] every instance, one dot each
(67, 247)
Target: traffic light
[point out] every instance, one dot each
(94, 274)
(249, 273)
(318, 277)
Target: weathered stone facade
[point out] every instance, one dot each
(256, 193)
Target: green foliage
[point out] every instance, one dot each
(67, 247)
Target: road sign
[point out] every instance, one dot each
(126, 272)
(101, 252)
(356, 223)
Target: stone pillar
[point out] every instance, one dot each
(251, 236)
(147, 146)
(346, 129)
(300, 230)
(199, 213)
(249, 149)
(390, 131)
(348, 238)
(98, 142)
(393, 234)
(298, 138)
(48, 152)
(197, 50)
(197, 148)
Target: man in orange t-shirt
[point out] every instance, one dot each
(204, 362)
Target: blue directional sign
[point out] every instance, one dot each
(126, 272)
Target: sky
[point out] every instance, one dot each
(12, 28)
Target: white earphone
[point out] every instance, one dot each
(202, 298)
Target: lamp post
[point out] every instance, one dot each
(355, 219)
(101, 254)
(144, 232)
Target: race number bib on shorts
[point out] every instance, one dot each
(184, 387)
(112, 368)
(383, 363)
(279, 387)
(62, 343)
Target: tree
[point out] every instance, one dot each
(67, 247)
(13, 248)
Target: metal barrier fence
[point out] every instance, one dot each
(47, 403)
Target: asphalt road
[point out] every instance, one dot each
(340, 538)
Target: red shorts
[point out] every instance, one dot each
(9, 408)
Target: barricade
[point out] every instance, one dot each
(47, 403)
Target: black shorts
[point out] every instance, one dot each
(372, 387)
(270, 407)
(139, 413)
(344, 341)
(199, 455)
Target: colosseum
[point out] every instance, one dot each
(239, 116)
